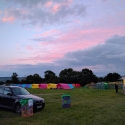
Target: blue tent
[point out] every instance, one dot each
(71, 86)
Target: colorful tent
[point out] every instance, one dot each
(23, 85)
(77, 85)
(71, 86)
(63, 86)
(35, 86)
(51, 86)
(28, 86)
(43, 86)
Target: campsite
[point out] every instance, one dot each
(62, 62)
(88, 107)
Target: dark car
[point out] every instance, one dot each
(10, 97)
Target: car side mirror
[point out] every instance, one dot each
(9, 94)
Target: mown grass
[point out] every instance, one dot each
(88, 107)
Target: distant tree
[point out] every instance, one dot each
(1, 83)
(50, 77)
(9, 81)
(29, 79)
(36, 78)
(14, 78)
(67, 75)
(32, 79)
(101, 79)
(24, 81)
(83, 77)
(75, 77)
(112, 77)
(86, 76)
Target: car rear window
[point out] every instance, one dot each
(1, 89)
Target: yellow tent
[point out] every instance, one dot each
(51, 86)
(123, 83)
(35, 86)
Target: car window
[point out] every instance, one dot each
(6, 91)
(1, 89)
(20, 91)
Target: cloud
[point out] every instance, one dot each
(29, 4)
(74, 39)
(101, 59)
(7, 19)
(36, 12)
(110, 56)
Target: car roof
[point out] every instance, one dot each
(10, 86)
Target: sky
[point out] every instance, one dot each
(41, 35)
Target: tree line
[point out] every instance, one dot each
(85, 76)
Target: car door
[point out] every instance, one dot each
(8, 98)
(1, 95)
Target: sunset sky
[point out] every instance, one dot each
(41, 35)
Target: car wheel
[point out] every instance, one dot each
(18, 109)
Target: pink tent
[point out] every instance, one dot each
(63, 86)
(43, 86)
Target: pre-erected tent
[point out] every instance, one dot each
(43, 86)
(35, 86)
(51, 86)
(71, 86)
(63, 86)
(26, 85)
(23, 85)
(76, 85)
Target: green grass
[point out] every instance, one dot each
(88, 107)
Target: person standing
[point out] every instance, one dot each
(116, 88)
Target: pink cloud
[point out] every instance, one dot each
(80, 39)
(40, 58)
(50, 32)
(48, 4)
(55, 8)
(8, 19)
(71, 40)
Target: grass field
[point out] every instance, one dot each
(88, 107)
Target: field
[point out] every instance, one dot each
(88, 107)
